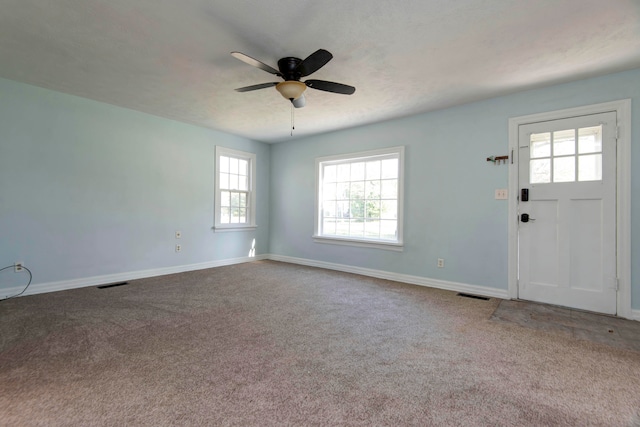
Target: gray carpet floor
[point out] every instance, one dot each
(269, 343)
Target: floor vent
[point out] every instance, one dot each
(473, 296)
(113, 285)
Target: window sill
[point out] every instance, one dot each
(377, 244)
(226, 228)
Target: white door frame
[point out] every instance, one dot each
(623, 199)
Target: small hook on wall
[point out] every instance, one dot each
(498, 159)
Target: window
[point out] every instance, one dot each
(566, 155)
(359, 199)
(235, 198)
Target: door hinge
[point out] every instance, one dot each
(615, 285)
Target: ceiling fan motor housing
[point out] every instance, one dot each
(288, 68)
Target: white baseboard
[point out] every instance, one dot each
(62, 285)
(404, 278)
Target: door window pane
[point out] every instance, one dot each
(540, 171)
(564, 169)
(590, 167)
(540, 145)
(564, 142)
(590, 140)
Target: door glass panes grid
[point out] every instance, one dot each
(360, 198)
(234, 190)
(566, 155)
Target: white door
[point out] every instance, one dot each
(567, 227)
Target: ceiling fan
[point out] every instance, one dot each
(292, 70)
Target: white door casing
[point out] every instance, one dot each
(558, 267)
(567, 228)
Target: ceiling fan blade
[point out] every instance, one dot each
(299, 102)
(256, 87)
(314, 62)
(255, 63)
(330, 87)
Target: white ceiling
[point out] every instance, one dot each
(172, 58)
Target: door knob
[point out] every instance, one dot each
(525, 218)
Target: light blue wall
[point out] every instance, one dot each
(450, 210)
(89, 189)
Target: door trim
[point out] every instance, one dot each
(623, 199)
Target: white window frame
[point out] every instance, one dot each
(251, 196)
(318, 237)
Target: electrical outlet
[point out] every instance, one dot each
(178, 234)
(440, 263)
(178, 248)
(502, 194)
(17, 267)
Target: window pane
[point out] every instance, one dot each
(329, 226)
(590, 167)
(344, 172)
(224, 164)
(389, 189)
(372, 189)
(224, 181)
(590, 140)
(233, 182)
(372, 228)
(243, 183)
(233, 165)
(342, 190)
(540, 145)
(342, 227)
(540, 171)
(357, 190)
(224, 216)
(388, 209)
(342, 209)
(243, 167)
(329, 191)
(356, 228)
(357, 209)
(235, 219)
(372, 209)
(388, 229)
(357, 171)
(242, 215)
(329, 209)
(564, 142)
(243, 200)
(329, 173)
(564, 169)
(373, 169)
(225, 198)
(390, 168)
(235, 199)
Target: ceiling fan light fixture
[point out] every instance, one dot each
(291, 89)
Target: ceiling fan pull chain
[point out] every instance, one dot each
(292, 123)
